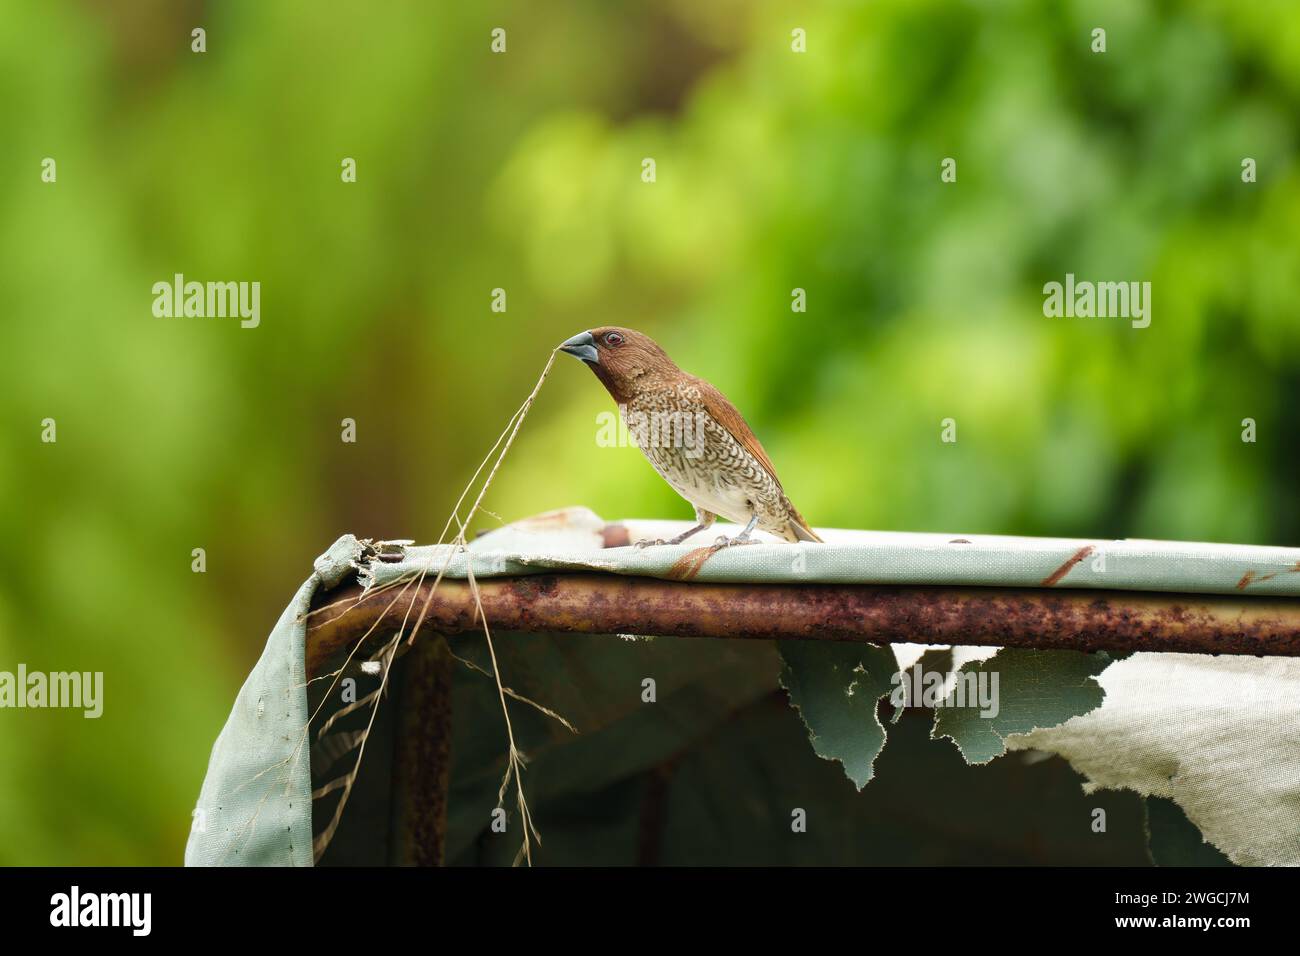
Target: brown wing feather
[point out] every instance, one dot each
(725, 414)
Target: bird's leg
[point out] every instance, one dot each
(703, 517)
(742, 538)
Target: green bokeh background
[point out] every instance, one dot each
(775, 170)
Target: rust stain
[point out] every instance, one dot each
(1064, 569)
(1250, 577)
(615, 536)
(533, 587)
(688, 565)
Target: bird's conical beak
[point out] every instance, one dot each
(582, 346)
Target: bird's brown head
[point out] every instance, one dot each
(621, 358)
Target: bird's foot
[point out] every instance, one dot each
(724, 542)
(650, 543)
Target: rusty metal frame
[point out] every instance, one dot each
(1043, 618)
(422, 755)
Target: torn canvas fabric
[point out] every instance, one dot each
(1218, 735)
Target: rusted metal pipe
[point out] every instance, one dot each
(422, 762)
(1012, 617)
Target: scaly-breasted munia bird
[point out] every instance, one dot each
(693, 436)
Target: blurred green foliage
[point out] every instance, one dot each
(775, 170)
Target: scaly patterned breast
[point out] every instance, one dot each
(701, 460)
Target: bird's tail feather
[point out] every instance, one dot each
(800, 529)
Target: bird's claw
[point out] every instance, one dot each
(724, 542)
(649, 543)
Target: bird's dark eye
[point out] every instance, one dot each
(613, 339)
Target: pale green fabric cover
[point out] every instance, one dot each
(255, 805)
(571, 540)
